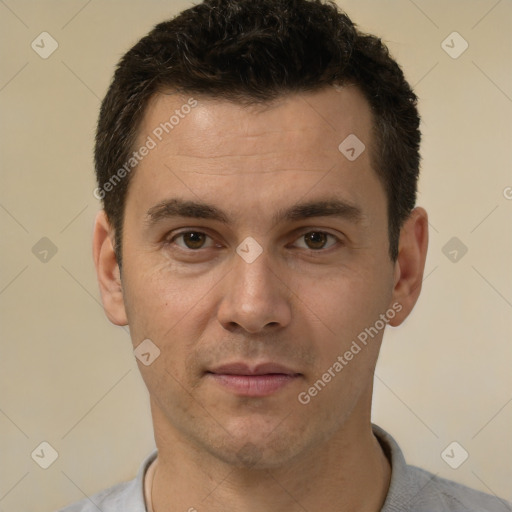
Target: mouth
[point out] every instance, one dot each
(254, 381)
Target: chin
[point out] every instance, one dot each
(259, 448)
(255, 457)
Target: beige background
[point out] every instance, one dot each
(69, 378)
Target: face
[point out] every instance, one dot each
(255, 253)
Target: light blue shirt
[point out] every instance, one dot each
(411, 490)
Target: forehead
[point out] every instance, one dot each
(300, 125)
(246, 157)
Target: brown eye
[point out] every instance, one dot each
(194, 240)
(191, 240)
(317, 240)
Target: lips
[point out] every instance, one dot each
(253, 380)
(260, 369)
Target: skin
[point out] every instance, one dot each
(301, 303)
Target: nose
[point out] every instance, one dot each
(254, 298)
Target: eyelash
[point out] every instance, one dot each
(171, 241)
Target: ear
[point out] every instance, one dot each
(107, 270)
(410, 264)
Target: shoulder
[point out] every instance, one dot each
(125, 496)
(107, 500)
(415, 489)
(444, 495)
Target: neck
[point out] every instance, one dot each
(348, 471)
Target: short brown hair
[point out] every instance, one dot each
(255, 51)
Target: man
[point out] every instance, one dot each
(257, 162)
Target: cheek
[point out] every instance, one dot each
(173, 312)
(157, 299)
(161, 308)
(344, 317)
(348, 302)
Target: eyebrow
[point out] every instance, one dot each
(192, 209)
